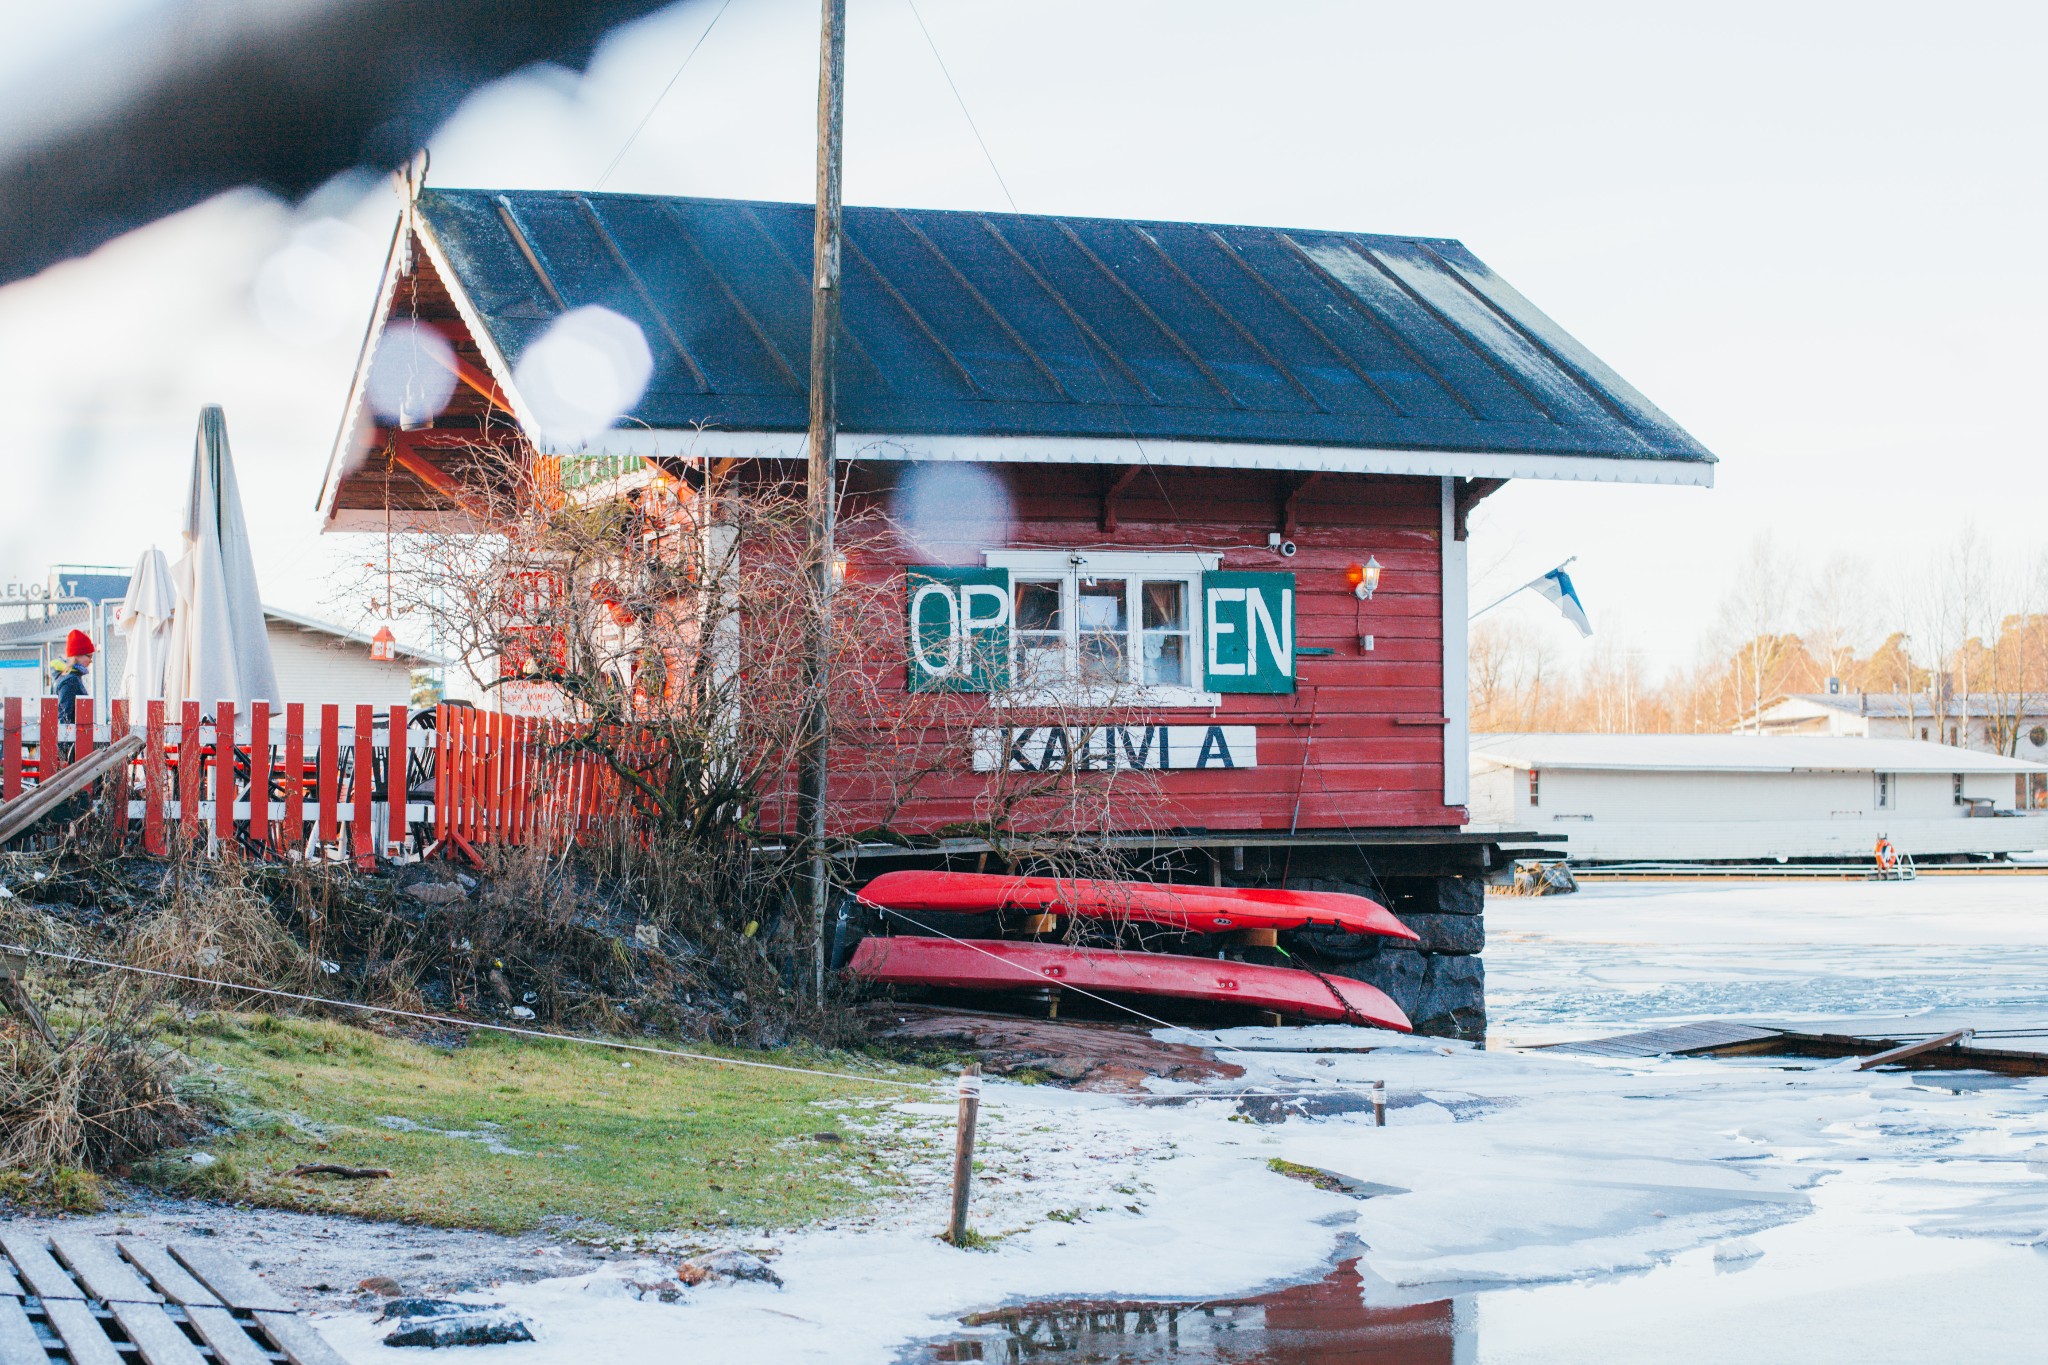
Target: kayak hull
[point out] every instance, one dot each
(1002, 964)
(1198, 909)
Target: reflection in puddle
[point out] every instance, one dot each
(1326, 1323)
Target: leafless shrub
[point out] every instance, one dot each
(220, 927)
(100, 1099)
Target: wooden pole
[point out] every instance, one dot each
(963, 1151)
(823, 474)
(1379, 1104)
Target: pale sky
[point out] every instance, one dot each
(1809, 231)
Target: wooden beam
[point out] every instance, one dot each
(1114, 490)
(436, 480)
(1900, 1054)
(1468, 495)
(1290, 511)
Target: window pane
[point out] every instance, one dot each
(1166, 606)
(1036, 606)
(1102, 611)
(1101, 605)
(1166, 659)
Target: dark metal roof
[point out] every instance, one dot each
(1007, 324)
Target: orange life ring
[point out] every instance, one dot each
(1887, 856)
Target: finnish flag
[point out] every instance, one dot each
(1557, 586)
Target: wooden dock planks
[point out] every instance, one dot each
(126, 1302)
(19, 1342)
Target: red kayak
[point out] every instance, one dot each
(1200, 909)
(1002, 964)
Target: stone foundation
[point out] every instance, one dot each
(1440, 981)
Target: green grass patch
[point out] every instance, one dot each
(511, 1134)
(1308, 1175)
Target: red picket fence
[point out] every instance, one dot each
(263, 781)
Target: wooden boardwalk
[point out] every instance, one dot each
(101, 1301)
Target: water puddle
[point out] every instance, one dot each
(1325, 1323)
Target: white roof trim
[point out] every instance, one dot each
(789, 445)
(494, 363)
(352, 410)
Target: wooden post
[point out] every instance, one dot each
(259, 773)
(328, 787)
(397, 774)
(963, 1151)
(82, 736)
(188, 772)
(295, 775)
(224, 776)
(49, 757)
(823, 490)
(1379, 1104)
(124, 784)
(10, 749)
(440, 774)
(362, 790)
(156, 777)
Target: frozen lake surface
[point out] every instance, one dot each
(1526, 1206)
(1623, 955)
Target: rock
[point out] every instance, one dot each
(381, 1284)
(521, 1012)
(477, 1327)
(436, 893)
(413, 1306)
(1544, 879)
(729, 1265)
(1398, 974)
(1444, 933)
(1452, 1000)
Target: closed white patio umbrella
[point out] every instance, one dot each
(219, 648)
(145, 618)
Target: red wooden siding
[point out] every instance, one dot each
(1358, 744)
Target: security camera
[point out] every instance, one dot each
(1286, 548)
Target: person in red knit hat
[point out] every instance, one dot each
(70, 674)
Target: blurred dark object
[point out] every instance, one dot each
(201, 96)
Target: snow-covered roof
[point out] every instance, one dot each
(1902, 705)
(1738, 754)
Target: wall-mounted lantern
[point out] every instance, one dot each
(1364, 578)
(383, 646)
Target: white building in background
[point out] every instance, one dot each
(317, 662)
(1968, 722)
(1714, 798)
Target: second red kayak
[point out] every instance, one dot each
(1199, 909)
(1000, 964)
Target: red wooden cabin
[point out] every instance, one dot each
(1230, 465)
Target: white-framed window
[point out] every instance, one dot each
(1106, 627)
(1535, 788)
(1884, 791)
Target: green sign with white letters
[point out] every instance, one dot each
(959, 629)
(1248, 632)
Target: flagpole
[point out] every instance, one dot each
(1524, 588)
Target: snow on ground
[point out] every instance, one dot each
(1729, 1210)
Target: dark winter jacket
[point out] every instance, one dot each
(70, 687)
